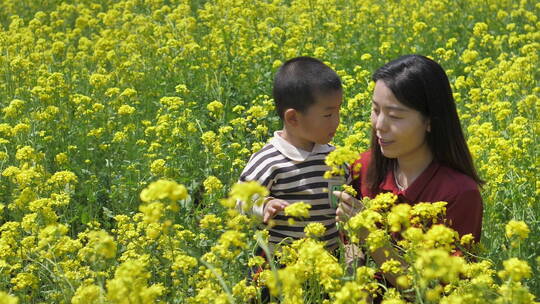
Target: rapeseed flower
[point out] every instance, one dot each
(382, 202)
(339, 158)
(119, 137)
(423, 213)
(467, 240)
(398, 218)
(20, 129)
(350, 293)
(184, 263)
(298, 210)
(437, 264)
(126, 110)
(365, 277)
(515, 270)
(61, 158)
(350, 190)
(7, 298)
(158, 166)
(25, 153)
(211, 222)
(392, 296)
(24, 280)
(212, 184)
(469, 56)
(440, 236)
(88, 294)
(391, 266)
(515, 292)
(517, 229)
(314, 230)
(129, 284)
(101, 245)
(215, 108)
(243, 291)
(61, 179)
(153, 212)
(256, 261)
(377, 239)
(14, 108)
(367, 219)
(249, 193)
(163, 189)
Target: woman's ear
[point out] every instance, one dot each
(290, 117)
(428, 125)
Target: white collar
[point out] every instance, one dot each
(294, 153)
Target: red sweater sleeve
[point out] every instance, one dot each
(465, 213)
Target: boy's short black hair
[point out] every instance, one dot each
(299, 80)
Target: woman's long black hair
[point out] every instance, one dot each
(421, 84)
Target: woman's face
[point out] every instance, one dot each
(400, 130)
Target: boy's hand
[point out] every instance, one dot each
(348, 206)
(272, 207)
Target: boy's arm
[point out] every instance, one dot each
(253, 171)
(259, 169)
(267, 210)
(256, 210)
(271, 207)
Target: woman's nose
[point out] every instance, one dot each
(380, 122)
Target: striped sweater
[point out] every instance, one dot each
(295, 175)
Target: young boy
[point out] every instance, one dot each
(308, 96)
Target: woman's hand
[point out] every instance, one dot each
(348, 206)
(272, 207)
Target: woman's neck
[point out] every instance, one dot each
(409, 168)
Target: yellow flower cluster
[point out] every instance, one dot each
(437, 271)
(163, 189)
(249, 193)
(306, 261)
(212, 184)
(339, 158)
(130, 284)
(298, 210)
(314, 230)
(517, 229)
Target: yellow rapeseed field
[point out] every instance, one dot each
(124, 126)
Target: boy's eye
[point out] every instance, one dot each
(327, 115)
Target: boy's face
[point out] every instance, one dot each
(319, 122)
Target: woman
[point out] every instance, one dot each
(418, 150)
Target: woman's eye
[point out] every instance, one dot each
(328, 115)
(394, 117)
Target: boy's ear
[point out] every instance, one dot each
(290, 117)
(428, 125)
